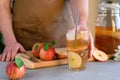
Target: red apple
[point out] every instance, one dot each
(48, 54)
(100, 55)
(13, 72)
(36, 49)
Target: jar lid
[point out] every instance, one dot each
(109, 5)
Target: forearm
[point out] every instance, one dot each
(82, 5)
(6, 24)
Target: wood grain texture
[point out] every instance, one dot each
(34, 63)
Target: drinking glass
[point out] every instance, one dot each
(77, 49)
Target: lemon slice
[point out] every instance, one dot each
(74, 59)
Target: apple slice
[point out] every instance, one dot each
(74, 59)
(100, 55)
(61, 54)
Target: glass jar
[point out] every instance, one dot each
(107, 30)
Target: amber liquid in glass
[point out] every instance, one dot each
(81, 49)
(107, 39)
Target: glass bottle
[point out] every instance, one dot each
(107, 30)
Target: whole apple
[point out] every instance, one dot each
(48, 54)
(13, 72)
(36, 49)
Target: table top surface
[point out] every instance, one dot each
(95, 71)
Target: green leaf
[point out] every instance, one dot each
(36, 47)
(113, 57)
(19, 62)
(46, 46)
(52, 42)
(118, 54)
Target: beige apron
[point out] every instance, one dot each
(41, 20)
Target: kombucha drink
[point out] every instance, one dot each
(107, 39)
(77, 50)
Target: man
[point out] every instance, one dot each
(38, 20)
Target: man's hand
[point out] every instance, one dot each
(10, 51)
(91, 41)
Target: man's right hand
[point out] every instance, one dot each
(10, 51)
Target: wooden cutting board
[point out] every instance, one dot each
(33, 63)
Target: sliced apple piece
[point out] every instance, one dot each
(100, 55)
(61, 54)
(75, 61)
